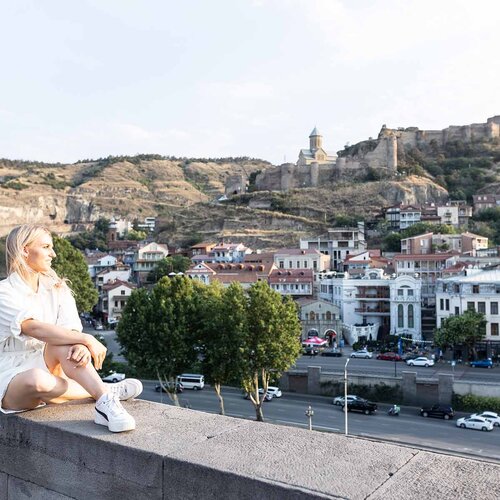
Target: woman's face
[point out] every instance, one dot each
(40, 253)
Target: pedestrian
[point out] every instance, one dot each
(44, 356)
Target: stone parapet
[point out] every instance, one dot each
(58, 453)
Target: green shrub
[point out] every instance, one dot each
(379, 392)
(18, 186)
(472, 403)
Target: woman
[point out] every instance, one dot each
(44, 356)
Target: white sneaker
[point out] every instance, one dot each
(128, 388)
(110, 412)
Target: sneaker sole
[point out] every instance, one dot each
(114, 426)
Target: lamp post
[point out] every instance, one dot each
(309, 415)
(345, 395)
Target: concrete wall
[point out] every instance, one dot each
(58, 453)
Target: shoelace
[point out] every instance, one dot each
(119, 390)
(114, 406)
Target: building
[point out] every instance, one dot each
(375, 305)
(484, 201)
(98, 261)
(358, 264)
(146, 258)
(316, 153)
(466, 243)
(293, 282)
(221, 253)
(118, 272)
(301, 258)
(320, 318)
(338, 244)
(478, 290)
(113, 299)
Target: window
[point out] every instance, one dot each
(400, 292)
(305, 264)
(400, 316)
(411, 318)
(298, 264)
(481, 307)
(470, 306)
(494, 329)
(410, 293)
(281, 264)
(328, 315)
(494, 308)
(447, 304)
(122, 292)
(441, 304)
(475, 288)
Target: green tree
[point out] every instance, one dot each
(170, 264)
(135, 235)
(465, 329)
(392, 242)
(95, 239)
(156, 330)
(272, 341)
(70, 264)
(222, 317)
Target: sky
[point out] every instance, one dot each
(219, 78)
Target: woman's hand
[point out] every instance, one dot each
(80, 354)
(97, 350)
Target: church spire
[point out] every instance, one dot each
(315, 140)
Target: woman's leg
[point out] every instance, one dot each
(81, 382)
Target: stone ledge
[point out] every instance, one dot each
(177, 453)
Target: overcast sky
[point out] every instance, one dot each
(212, 78)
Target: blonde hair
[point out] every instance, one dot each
(19, 238)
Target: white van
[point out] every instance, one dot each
(191, 381)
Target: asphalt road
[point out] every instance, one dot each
(390, 368)
(407, 429)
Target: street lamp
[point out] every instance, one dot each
(346, 411)
(309, 415)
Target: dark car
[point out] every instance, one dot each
(361, 405)
(389, 356)
(331, 352)
(438, 411)
(166, 387)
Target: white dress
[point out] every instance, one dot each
(18, 302)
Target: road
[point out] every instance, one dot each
(374, 366)
(407, 429)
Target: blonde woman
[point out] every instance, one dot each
(44, 356)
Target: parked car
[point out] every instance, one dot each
(438, 411)
(420, 361)
(482, 363)
(389, 356)
(332, 352)
(166, 387)
(274, 391)
(339, 400)
(362, 353)
(362, 405)
(478, 423)
(493, 417)
(114, 377)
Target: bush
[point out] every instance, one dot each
(472, 403)
(378, 393)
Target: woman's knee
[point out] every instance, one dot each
(38, 381)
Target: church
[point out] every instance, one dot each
(316, 153)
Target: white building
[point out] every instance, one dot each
(375, 304)
(96, 263)
(478, 290)
(114, 297)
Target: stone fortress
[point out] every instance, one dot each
(317, 167)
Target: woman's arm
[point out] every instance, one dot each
(57, 335)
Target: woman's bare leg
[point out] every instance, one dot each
(81, 381)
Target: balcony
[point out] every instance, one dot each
(375, 311)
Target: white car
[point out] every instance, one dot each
(275, 392)
(478, 423)
(113, 377)
(493, 417)
(420, 361)
(362, 353)
(339, 400)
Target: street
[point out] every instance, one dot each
(409, 428)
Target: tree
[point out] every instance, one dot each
(172, 264)
(465, 329)
(271, 343)
(70, 264)
(392, 242)
(222, 317)
(156, 330)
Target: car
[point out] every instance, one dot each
(332, 352)
(99, 327)
(493, 417)
(268, 396)
(166, 387)
(339, 400)
(113, 377)
(362, 405)
(362, 353)
(274, 391)
(482, 363)
(478, 423)
(420, 361)
(310, 351)
(438, 411)
(389, 356)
